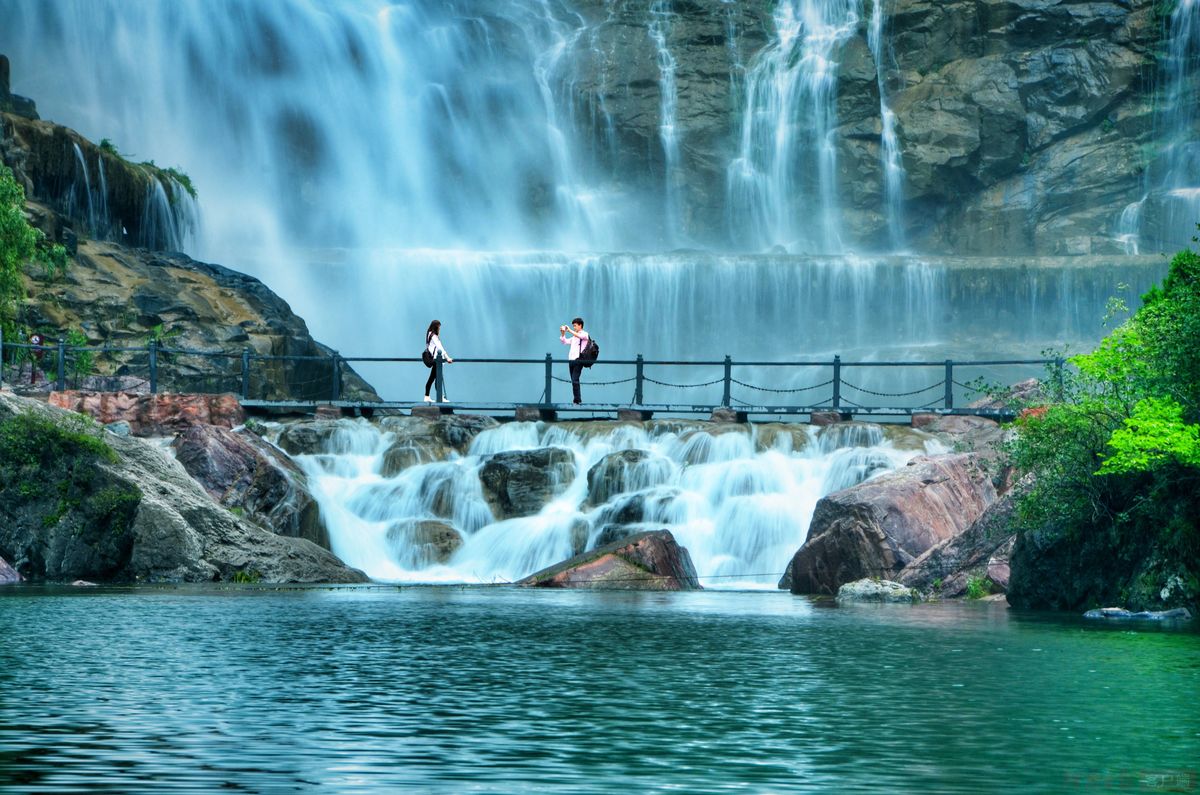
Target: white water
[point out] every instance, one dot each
(889, 148)
(740, 501)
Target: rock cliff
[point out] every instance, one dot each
(1022, 127)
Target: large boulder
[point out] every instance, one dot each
(626, 471)
(419, 543)
(867, 590)
(135, 514)
(420, 440)
(153, 415)
(649, 561)
(878, 527)
(521, 482)
(243, 472)
(982, 551)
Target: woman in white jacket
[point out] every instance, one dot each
(433, 345)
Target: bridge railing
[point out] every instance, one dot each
(782, 386)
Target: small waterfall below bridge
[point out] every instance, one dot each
(740, 500)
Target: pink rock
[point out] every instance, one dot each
(878, 527)
(644, 562)
(153, 415)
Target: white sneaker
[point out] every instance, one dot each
(428, 399)
(445, 400)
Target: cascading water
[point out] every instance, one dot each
(781, 185)
(889, 144)
(1173, 178)
(659, 30)
(740, 501)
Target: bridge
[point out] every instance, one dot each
(723, 388)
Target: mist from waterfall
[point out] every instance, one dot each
(740, 499)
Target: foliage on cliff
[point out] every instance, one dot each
(19, 243)
(1117, 461)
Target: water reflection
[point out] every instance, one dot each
(368, 690)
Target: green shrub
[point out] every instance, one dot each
(978, 586)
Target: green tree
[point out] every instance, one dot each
(18, 245)
(1119, 457)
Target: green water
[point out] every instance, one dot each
(379, 690)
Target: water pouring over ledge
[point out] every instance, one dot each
(739, 499)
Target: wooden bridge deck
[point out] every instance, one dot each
(551, 411)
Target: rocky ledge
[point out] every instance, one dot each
(78, 502)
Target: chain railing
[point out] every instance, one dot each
(321, 379)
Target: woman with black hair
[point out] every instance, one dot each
(433, 349)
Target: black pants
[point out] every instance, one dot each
(576, 370)
(433, 377)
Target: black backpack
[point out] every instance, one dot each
(590, 352)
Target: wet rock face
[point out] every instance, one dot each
(1021, 125)
(519, 483)
(877, 528)
(243, 472)
(645, 562)
(424, 542)
(120, 297)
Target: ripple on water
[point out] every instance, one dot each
(377, 690)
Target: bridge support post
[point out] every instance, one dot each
(437, 381)
(63, 365)
(725, 398)
(336, 390)
(638, 380)
(949, 384)
(1058, 378)
(549, 379)
(837, 383)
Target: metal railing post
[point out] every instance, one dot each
(637, 383)
(245, 373)
(949, 384)
(837, 382)
(725, 398)
(337, 376)
(1058, 378)
(153, 346)
(62, 364)
(549, 378)
(437, 383)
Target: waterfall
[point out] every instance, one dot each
(88, 195)
(740, 500)
(782, 188)
(1165, 217)
(659, 29)
(889, 144)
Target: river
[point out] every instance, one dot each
(448, 689)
